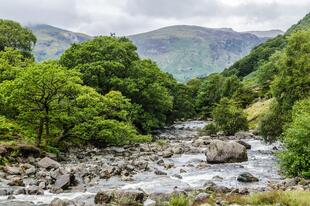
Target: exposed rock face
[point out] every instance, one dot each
(48, 163)
(63, 181)
(225, 152)
(247, 177)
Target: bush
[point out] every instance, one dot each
(179, 200)
(270, 125)
(104, 132)
(295, 161)
(210, 129)
(229, 118)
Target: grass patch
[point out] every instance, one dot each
(256, 111)
(289, 198)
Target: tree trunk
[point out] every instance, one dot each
(47, 130)
(65, 132)
(39, 132)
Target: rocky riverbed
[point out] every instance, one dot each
(180, 161)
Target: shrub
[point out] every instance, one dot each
(295, 161)
(229, 118)
(270, 125)
(104, 132)
(210, 129)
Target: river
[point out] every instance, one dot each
(262, 163)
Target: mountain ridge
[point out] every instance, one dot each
(185, 51)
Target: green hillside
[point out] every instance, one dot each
(53, 41)
(192, 51)
(260, 54)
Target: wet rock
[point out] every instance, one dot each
(247, 177)
(48, 163)
(159, 172)
(223, 152)
(11, 197)
(5, 191)
(182, 170)
(169, 165)
(177, 176)
(217, 178)
(247, 146)
(20, 191)
(16, 181)
(161, 162)
(201, 197)
(12, 170)
(34, 190)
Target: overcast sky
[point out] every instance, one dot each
(125, 17)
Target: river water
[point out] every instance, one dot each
(261, 163)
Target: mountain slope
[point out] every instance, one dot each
(261, 53)
(268, 34)
(53, 41)
(184, 51)
(192, 51)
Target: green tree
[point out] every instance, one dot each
(12, 34)
(295, 160)
(38, 92)
(210, 93)
(11, 62)
(228, 117)
(110, 63)
(291, 84)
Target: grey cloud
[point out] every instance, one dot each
(133, 16)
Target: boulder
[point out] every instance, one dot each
(16, 181)
(64, 181)
(13, 170)
(48, 163)
(225, 152)
(247, 177)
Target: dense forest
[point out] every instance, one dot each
(101, 92)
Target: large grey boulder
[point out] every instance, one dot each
(48, 163)
(226, 152)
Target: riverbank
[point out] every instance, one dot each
(174, 164)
